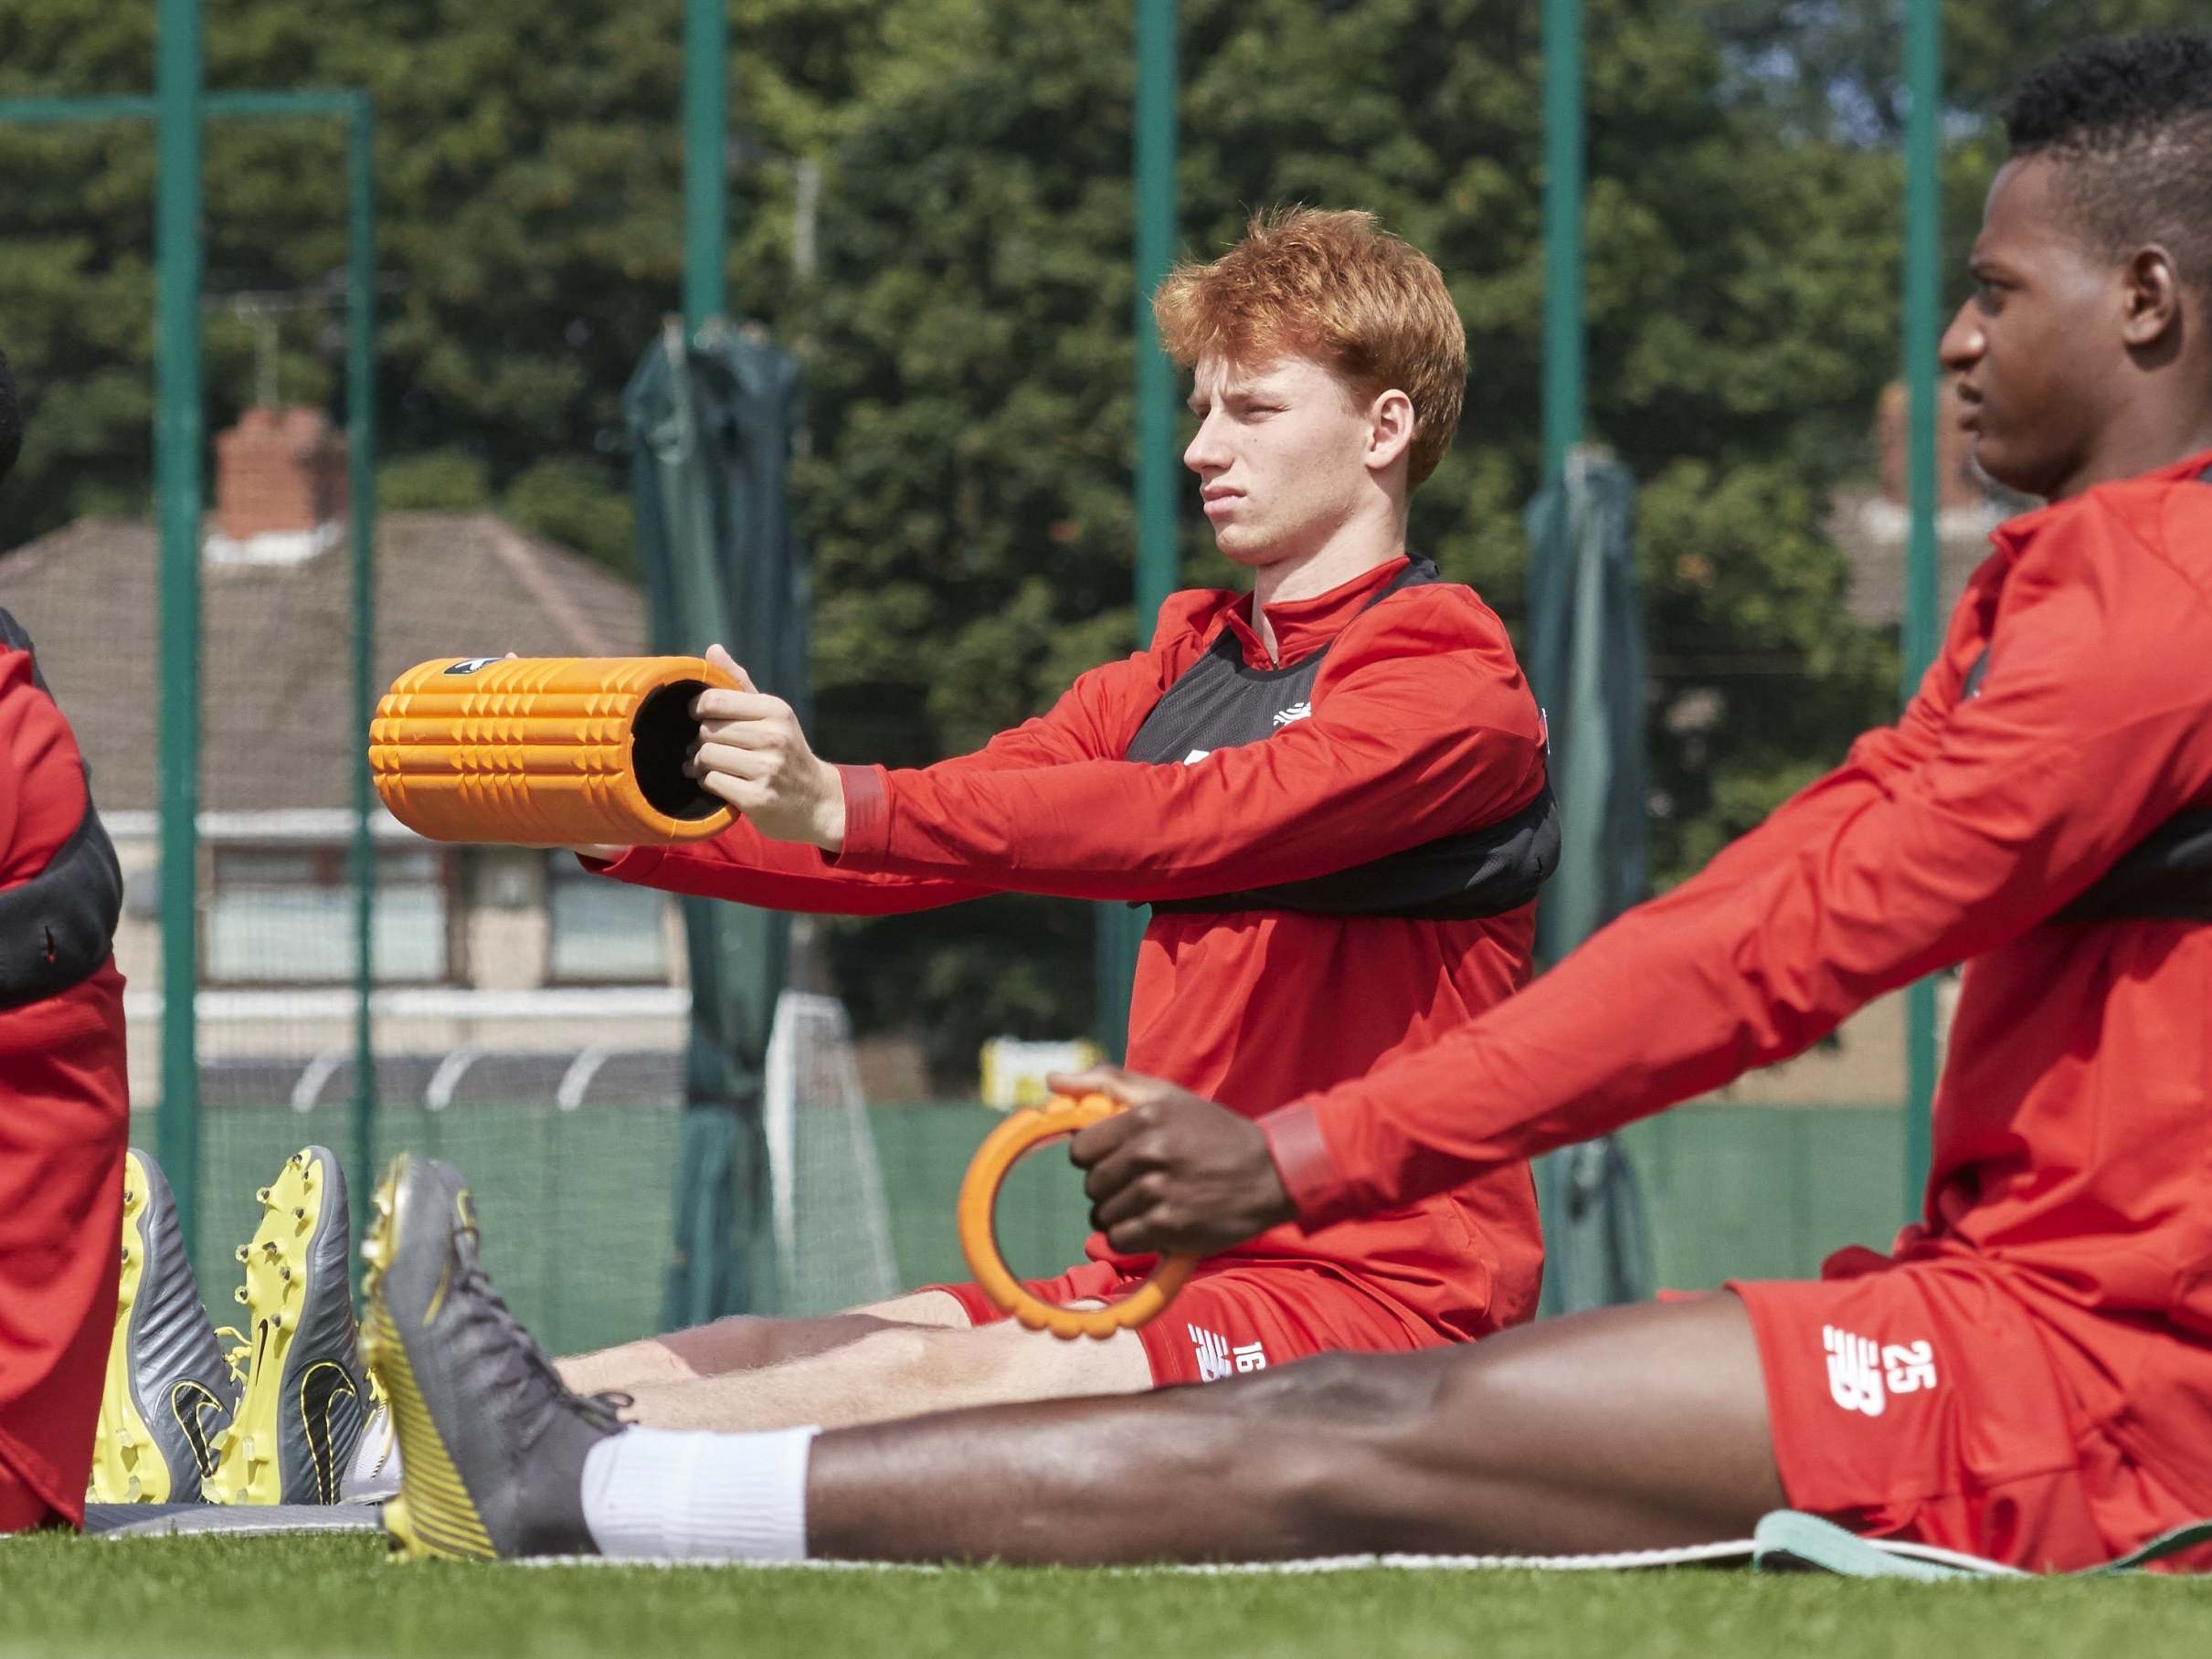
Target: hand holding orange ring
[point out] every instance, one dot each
(979, 1236)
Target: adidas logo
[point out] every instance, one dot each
(1295, 712)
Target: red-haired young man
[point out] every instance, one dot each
(1330, 787)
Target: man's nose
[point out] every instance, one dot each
(1204, 453)
(1963, 342)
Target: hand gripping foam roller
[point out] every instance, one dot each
(546, 750)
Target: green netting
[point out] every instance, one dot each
(575, 1204)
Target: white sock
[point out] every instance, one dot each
(699, 1497)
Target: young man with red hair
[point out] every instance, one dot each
(1330, 789)
(64, 1101)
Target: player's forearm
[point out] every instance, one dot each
(742, 867)
(1120, 831)
(1692, 990)
(1577, 1055)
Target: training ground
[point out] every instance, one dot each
(325, 1597)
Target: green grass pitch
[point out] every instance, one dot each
(184, 1598)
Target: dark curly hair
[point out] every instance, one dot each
(11, 419)
(2129, 124)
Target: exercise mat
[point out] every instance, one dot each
(546, 750)
(231, 1520)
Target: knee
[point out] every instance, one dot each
(1360, 1390)
(1357, 1437)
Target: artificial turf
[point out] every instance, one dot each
(181, 1597)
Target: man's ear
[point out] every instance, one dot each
(2151, 298)
(1390, 429)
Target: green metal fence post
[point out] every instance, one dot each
(1923, 303)
(1120, 929)
(361, 487)
(706, 122)
(178, 469)
(1155, 249)
(1563, 326)
(179, 109)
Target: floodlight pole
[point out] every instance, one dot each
(178, 441)
(1923, 310)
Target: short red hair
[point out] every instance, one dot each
(1335, 287)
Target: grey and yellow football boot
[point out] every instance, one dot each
(292, 1435)
(491, 1443)
(169, 1392)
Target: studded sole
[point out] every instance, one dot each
(433, 1515)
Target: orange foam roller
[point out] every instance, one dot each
(987, 1172)
(546, 750)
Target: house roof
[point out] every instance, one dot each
(1874, 531)
(277, 731)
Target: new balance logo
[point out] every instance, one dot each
(1217, 1360)
(1863, 1373)
(1295, 712)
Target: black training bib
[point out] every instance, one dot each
(1222, 703)
(57, 929)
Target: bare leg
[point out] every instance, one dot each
(1632, 1428)
(890, 1370)
(743, 1343)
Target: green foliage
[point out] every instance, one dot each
(450, 480)
(932, 204)
(564, 504)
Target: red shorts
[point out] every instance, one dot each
(1923, 1400)
(1235, 1316)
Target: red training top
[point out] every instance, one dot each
(1421, 727)
(2073, 1127)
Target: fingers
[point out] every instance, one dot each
(731, 761)
(728, 664)
(1115, 1082)
(734, 792)
(746, 734)
(716, 704)
(1092, 1146)
(1117, 1170)
(1127, 1219)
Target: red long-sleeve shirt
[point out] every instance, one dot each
(1421, 727)
(63, 1113)
(42, 787)
(2073, 1125)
